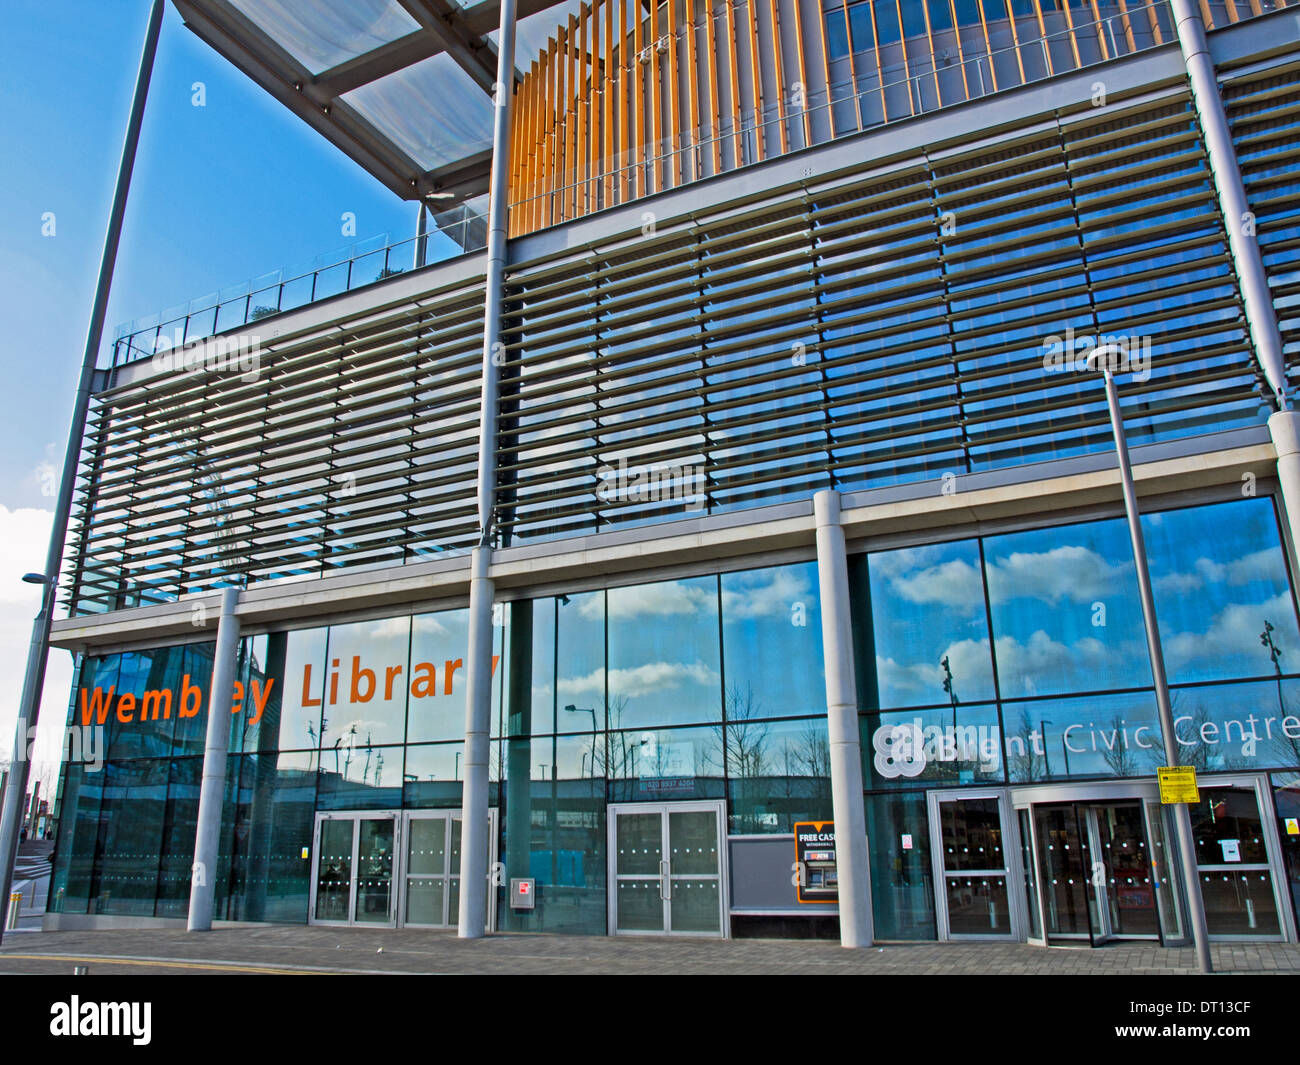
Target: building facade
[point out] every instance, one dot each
(888, 297)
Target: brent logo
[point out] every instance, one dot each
(900, 750)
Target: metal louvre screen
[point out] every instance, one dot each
(1264, 110)
(879, 333)
(357, 447)
(887, 328)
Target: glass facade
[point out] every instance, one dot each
(1020, 658)
(1009, 659)
(700, 688)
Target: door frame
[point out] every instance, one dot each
(718, 807)
(354, 816)
(401, 833)
(450, 815)
(1261, 785)
(1146, 794)
(1011, 871)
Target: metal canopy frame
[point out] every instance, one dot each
(461, 33)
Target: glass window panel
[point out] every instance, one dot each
(302, 685)
(256, 725)
(778, 774)
(772, 643)
(959, 745)
(554, 831)
(70, 882)
(902, 895)
(191, 729)
(579, 663)
(1221, 591)
(665, 764)
(179, 825)
(278, 799)
(439, 647)
(143, 729)
(433, 775)
(664, 663)
(1098, 736)
(929, 626)
(366, 684)
(1066, 615)
(131, 831)
(360, 778)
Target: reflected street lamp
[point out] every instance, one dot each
(587, 710)
(1104, 358)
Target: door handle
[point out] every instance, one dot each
(665, 882)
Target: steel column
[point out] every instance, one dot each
(207, 834)
(1260, 315)
(1182, 816)
(472, 920)
(842, 721)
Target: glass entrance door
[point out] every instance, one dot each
(972, 866)
(667, 872)
(354, 869)
(1096, 871)
(391, 868)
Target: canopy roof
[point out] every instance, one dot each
(402, 86)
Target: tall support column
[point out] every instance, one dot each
(207, 836)
(472, 920)
(1261, 315)
(474, 850)
(842, 721)
(38, 648)
(1155, 651)
(421, 236)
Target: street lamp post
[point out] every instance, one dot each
(38, 649)
(1101, 359)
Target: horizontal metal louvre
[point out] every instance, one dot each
(354, 448)
(1264, 112)
(879, 333)
(881, 330)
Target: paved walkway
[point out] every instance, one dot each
(304, 949)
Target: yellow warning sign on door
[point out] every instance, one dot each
(1178, 784)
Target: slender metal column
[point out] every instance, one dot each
(1182, 815)
(1260, 315)
(207, 835)
(472, 920)
(842, 722)
(38, 650)
(421, 235)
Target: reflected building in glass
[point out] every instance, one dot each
(879, 295)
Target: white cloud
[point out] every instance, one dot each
(922, 682)
(1234, 633)
(651, 600)
(1068, 572)
(639, 680)
(772, 598)
(955, 583)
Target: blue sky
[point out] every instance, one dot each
(221, 193)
